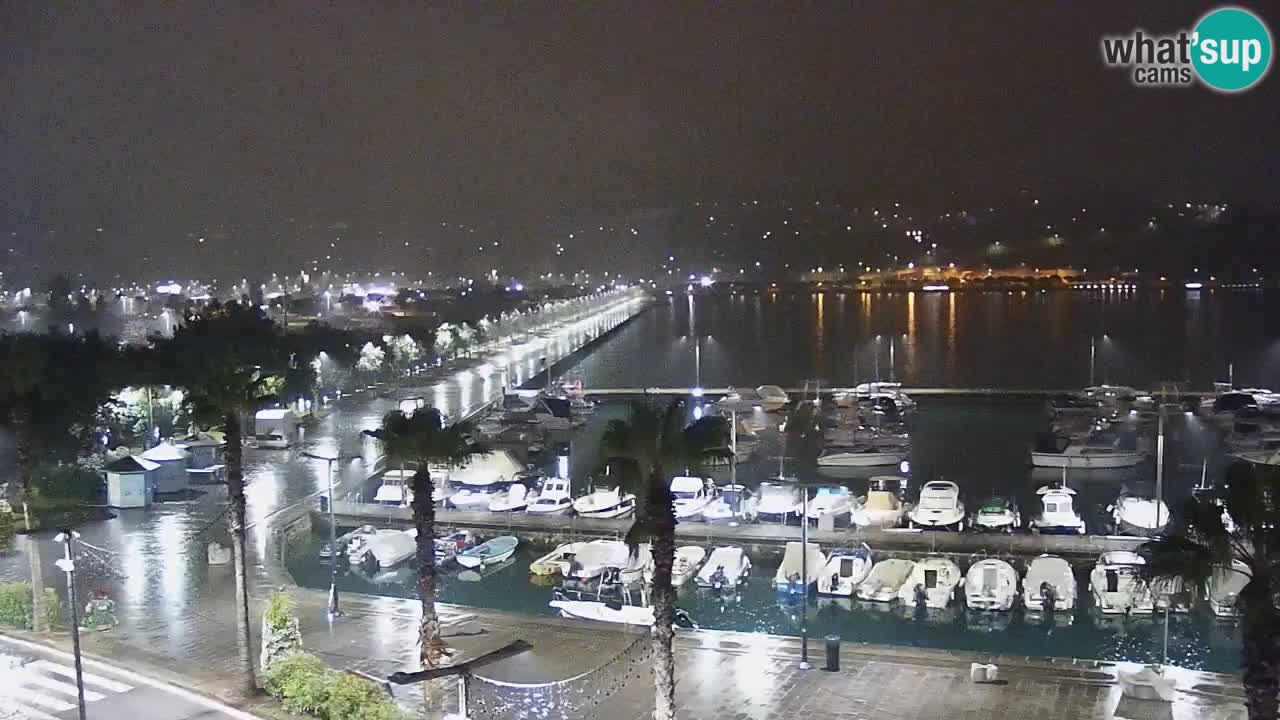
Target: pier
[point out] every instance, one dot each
(926, 392)
(758, 539)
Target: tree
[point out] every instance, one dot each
(224, 359)
(652, 443)
(423, 438)
(1235, 531)
(371, 358)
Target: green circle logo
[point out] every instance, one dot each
(1231, 49)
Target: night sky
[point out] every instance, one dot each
(155, 120)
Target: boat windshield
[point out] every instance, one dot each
(685, 495)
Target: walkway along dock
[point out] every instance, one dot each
(926, 392)
(759, 539)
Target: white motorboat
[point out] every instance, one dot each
(779, 503)
(990, 584)
(1171, 594)
(477, 497)
(688, 561)
(396, 488)
(1117, 584)
(353, 543)
(691, 496)
(448, 546)
(939, 506)
(869, 392)
(557, 561)
(834, 501)
(872, 454)
(733, 503)
(885, 580)
(845, 571)
(388, 548)
(476, 483)
(552, 499)
(489, 552)
(1137, 513)
(605, 503)
(597, 556)
(881, 507)
(998, 514)
(1066, 454)
(534, 408)
(726, 568)
(789, 578)
(1058, 514)
(772, 397)
(932, 583)
(513, 499)
(613, 612)
(1049, 585)
(1224, 587)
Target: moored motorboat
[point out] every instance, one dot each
(990, 584)
(691, 495)
(512, 499)
(688, 560)
(1137, 512)
(448, 546)
(997, 513)
(387, 548)
(605, 503)
(1117, 585)
(553, 498)
(871, 454)
(932, 583)
(727, 567)
(490, 552)
(939, 506)
(885, 580)
(1049, 585)
(835, 502)
(779, 503)
(613, 612)
(845, 571)
(557, 561)
(881, 507)
(1062, 453)
(733, 503)
(1058, 513)
(799, 569)
(1223, 589)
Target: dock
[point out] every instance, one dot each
(915, 392)
(759, 539)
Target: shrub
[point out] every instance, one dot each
(284, 672)
(16, 606)
(52, 608)
(308, 693)
(279, 613)
(73, 481)
(354, 698)
(8, 528)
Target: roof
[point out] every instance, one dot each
(130, 464)
(273, 414)
(165, 452)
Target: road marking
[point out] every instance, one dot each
(10, 708)
(33, 697)
(89, 678)
(27, 677)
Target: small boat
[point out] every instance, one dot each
(605, 503)
(1066, 454)
(1223, 588)
(388, 548)
(845, 571)
(476, 497)
(1058, 514)
(779, 503)
(872, 454)
(613, 612)
(1137, 512)
(726, 568)
(999, 514)
(513, 499)
(1049, 585)
(881, 507)
(396, 488)
(939, 506)
(869, 392)
(990, 584)
(448, 546)
(1172, 594)
(1117, 585)
(772, 397)
(355, 542)
(688, 560)
(552, 499)
(932, 583)
(557, 561)
(885, 580)
(598, 556)
(733, 503)
(490, 552)
(691, 496)
(833, 501)
(789, 578)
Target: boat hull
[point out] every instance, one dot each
(848, 460)
(1086, 462)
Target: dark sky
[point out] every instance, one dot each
(162, 117)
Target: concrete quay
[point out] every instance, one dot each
(760, 540)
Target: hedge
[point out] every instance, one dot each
(16, 610)
(305, 685)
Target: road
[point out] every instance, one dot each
(37, 683)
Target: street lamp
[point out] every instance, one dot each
(334, 611)
(67, 565)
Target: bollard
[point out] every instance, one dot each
(833, 653)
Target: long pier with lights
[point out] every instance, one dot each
(810, 392)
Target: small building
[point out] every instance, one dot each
(171, 475)
(129, 482)
(275, 428)
(206, 465)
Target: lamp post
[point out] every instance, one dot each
(804, 578)
(1092, 351)
(1159, 465)
(334, 610)
(67, 565)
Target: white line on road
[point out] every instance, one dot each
(35, 697)
(10, 708)
(27, 677)
(89, 678)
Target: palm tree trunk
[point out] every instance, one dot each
(664, 597)
(431, 648)
(236, 521)
(1260, 652)
(22, 451)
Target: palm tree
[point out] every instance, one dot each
(652, 442)
(225, 359)
(1235, 531)
(423, 438)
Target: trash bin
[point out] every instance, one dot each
(833, 653)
